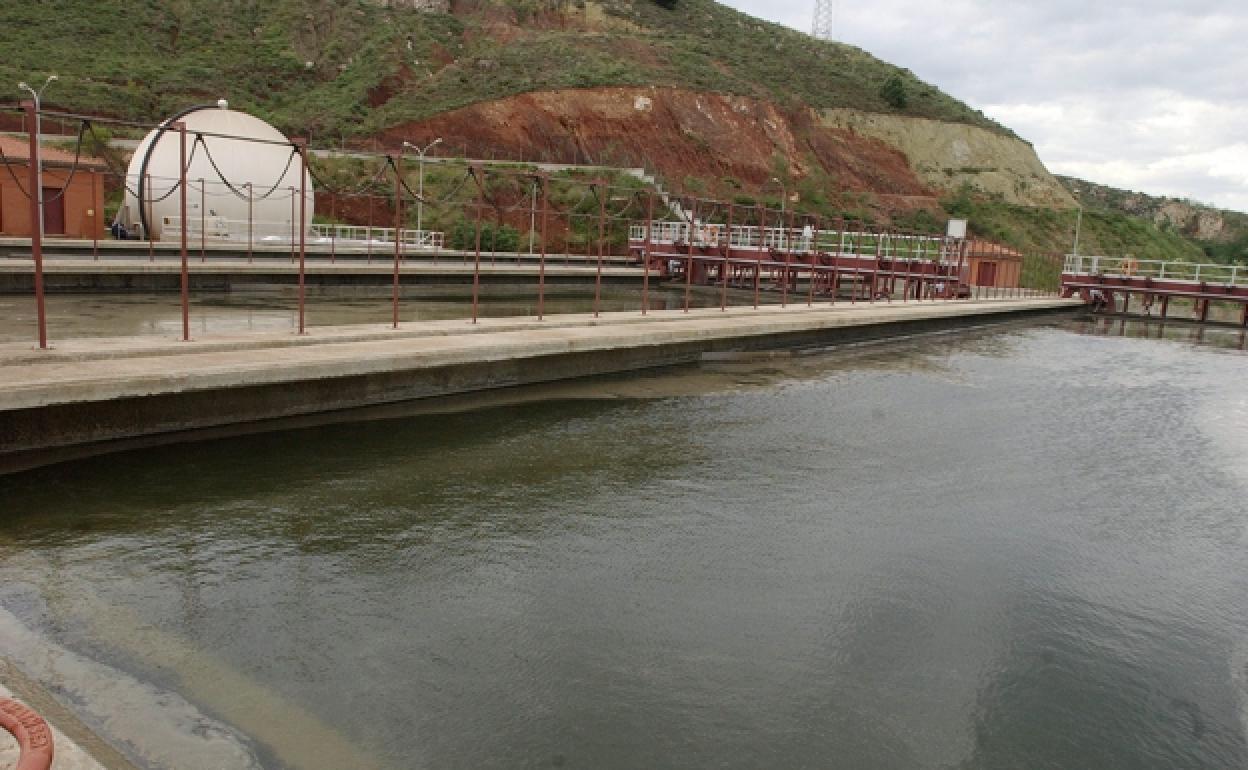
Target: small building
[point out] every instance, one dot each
(73, 198)
(992, 264)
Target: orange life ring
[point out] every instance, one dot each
(34, 737)
(1130, 265)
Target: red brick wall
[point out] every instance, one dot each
(84, 202)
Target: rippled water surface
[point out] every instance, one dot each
(1018, 547)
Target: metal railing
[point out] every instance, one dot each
(235, 231)
(801, 240)
(1130, 267)
(415, 239)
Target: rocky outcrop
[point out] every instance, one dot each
(1198, 222)
(947, 156)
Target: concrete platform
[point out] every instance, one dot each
(85, 393)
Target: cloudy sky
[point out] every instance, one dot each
(1142, 94)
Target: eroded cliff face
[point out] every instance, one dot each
(739, 143)
(1200, 222)
(947, 156)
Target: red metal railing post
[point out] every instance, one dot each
(951, 288)
(813, 254)
(602, 234)
(398, 242)
(905, 293)
(180, 127)
(541, 265)
(787, 242)
(723, 278)
(880, 235)
(36, 233)
(758, 254)
(856, 236)
(997, 275)
(645, 257)
(479, 177)
(301, 146)
(961, 262)
(693, 219)
(834, 280)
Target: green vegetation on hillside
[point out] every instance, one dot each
(1042, 230)
(1219, 234)
(337, 68)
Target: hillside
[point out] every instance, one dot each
(351, 67)
(713, 101)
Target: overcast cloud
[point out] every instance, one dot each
(1140, 94)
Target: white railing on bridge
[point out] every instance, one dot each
(1130, 267)
(234, 231)
(351, 234)
(801, 240)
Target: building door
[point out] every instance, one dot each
(53, 211)
(987, 274)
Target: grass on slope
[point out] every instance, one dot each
(1042, 230)
(333, 68)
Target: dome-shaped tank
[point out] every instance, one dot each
(242, 173)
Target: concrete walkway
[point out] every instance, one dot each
(103, 389)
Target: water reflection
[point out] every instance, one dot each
(1191, 333)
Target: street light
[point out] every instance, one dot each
(38, 159)
(1078, 221)
(420, 185)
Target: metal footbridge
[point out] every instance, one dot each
(867, 264)
(1113, 283)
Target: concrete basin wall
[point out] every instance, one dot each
(91, 396)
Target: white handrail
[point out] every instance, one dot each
(1171, 270)
(799, 239)
(223, 230)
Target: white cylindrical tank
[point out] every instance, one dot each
(242, 175)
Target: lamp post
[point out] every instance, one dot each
(37, 160)
(1078, 221)
(420, 184)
